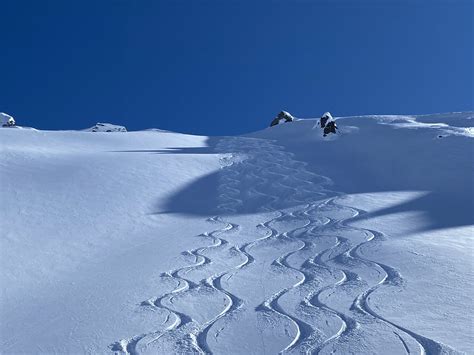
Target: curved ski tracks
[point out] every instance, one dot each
(392, 277)
(269, 165)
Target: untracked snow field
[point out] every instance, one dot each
(279, 241)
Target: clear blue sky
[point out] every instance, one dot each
(228, 67)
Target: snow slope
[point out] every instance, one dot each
(279, 241)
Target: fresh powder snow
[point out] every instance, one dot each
(279, 241)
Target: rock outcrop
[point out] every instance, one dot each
(328, 124)
(282, 117)
(7, 120)
(106, 127)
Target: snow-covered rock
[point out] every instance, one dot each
(106, 127)
(325, 119)
(328, 124)
(282, 117)
(6, 120)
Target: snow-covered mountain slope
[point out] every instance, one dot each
(280, 241)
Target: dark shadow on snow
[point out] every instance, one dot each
(444, 210)
(199, 198)
(391, 160)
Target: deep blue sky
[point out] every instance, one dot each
(227, 67)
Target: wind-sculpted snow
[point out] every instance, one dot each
(296, 281)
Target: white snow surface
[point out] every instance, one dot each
(156, 242)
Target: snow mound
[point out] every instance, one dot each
(6, 120)
(106, 127)
(282, 117)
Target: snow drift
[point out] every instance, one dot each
(278, 241)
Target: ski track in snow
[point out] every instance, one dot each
(328, 276)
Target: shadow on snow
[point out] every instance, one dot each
(444, 207)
